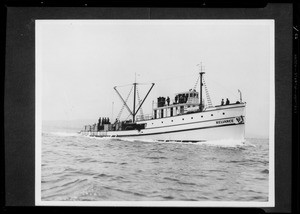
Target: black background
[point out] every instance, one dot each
(19, 81)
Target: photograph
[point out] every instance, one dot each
(177, 112)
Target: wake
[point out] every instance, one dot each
(228, 143)
(64, 134)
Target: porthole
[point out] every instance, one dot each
(211, 115)
(223, 113)
(171, 120)
(182, 118)
(201, 116)
(192, 118)
(162, 121)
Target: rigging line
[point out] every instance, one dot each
(138, 96)
(207, 94)
(223, 87)
(119, 115)
(128, 116)
(143, 83)
(119, 86)
(196, 83)
(165, 79)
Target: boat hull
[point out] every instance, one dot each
(222, 123)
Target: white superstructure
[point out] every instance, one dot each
(183, 119)
(222, 122)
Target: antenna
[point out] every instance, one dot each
(201, 67)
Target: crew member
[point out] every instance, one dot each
(227, 101)
(176, 98)
(222, 102)
(99, 124)
(168, 100)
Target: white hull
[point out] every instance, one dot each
(219, 123)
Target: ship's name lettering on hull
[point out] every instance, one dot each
(224, 121)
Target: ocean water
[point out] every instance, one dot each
(79, 168)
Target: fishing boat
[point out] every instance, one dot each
(184, 119)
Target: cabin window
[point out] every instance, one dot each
(171, 112)
(189, 106)
(161, 113)
(192, 95)
(155, 114)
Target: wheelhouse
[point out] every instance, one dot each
(182, 103)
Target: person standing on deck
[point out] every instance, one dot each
(99, 124)
(168, 100)
(227, 101)
(176, 98)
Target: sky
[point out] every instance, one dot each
(80, 61)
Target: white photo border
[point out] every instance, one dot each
(38, 121)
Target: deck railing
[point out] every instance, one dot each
(144, 117)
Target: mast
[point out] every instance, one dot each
(134, 93)
(201, 84)
(134, 112)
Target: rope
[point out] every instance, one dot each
(221, 86)
(167, 79)
(207, 94)
(138, 96)
(196, 83)
(128, 116)
(119, 115)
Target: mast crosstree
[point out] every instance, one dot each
(124, 102)
(135, 110)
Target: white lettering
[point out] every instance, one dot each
(224, 121)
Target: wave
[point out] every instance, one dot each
(64, 134)
(216, 143)
(227, 143)
(138, 140)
